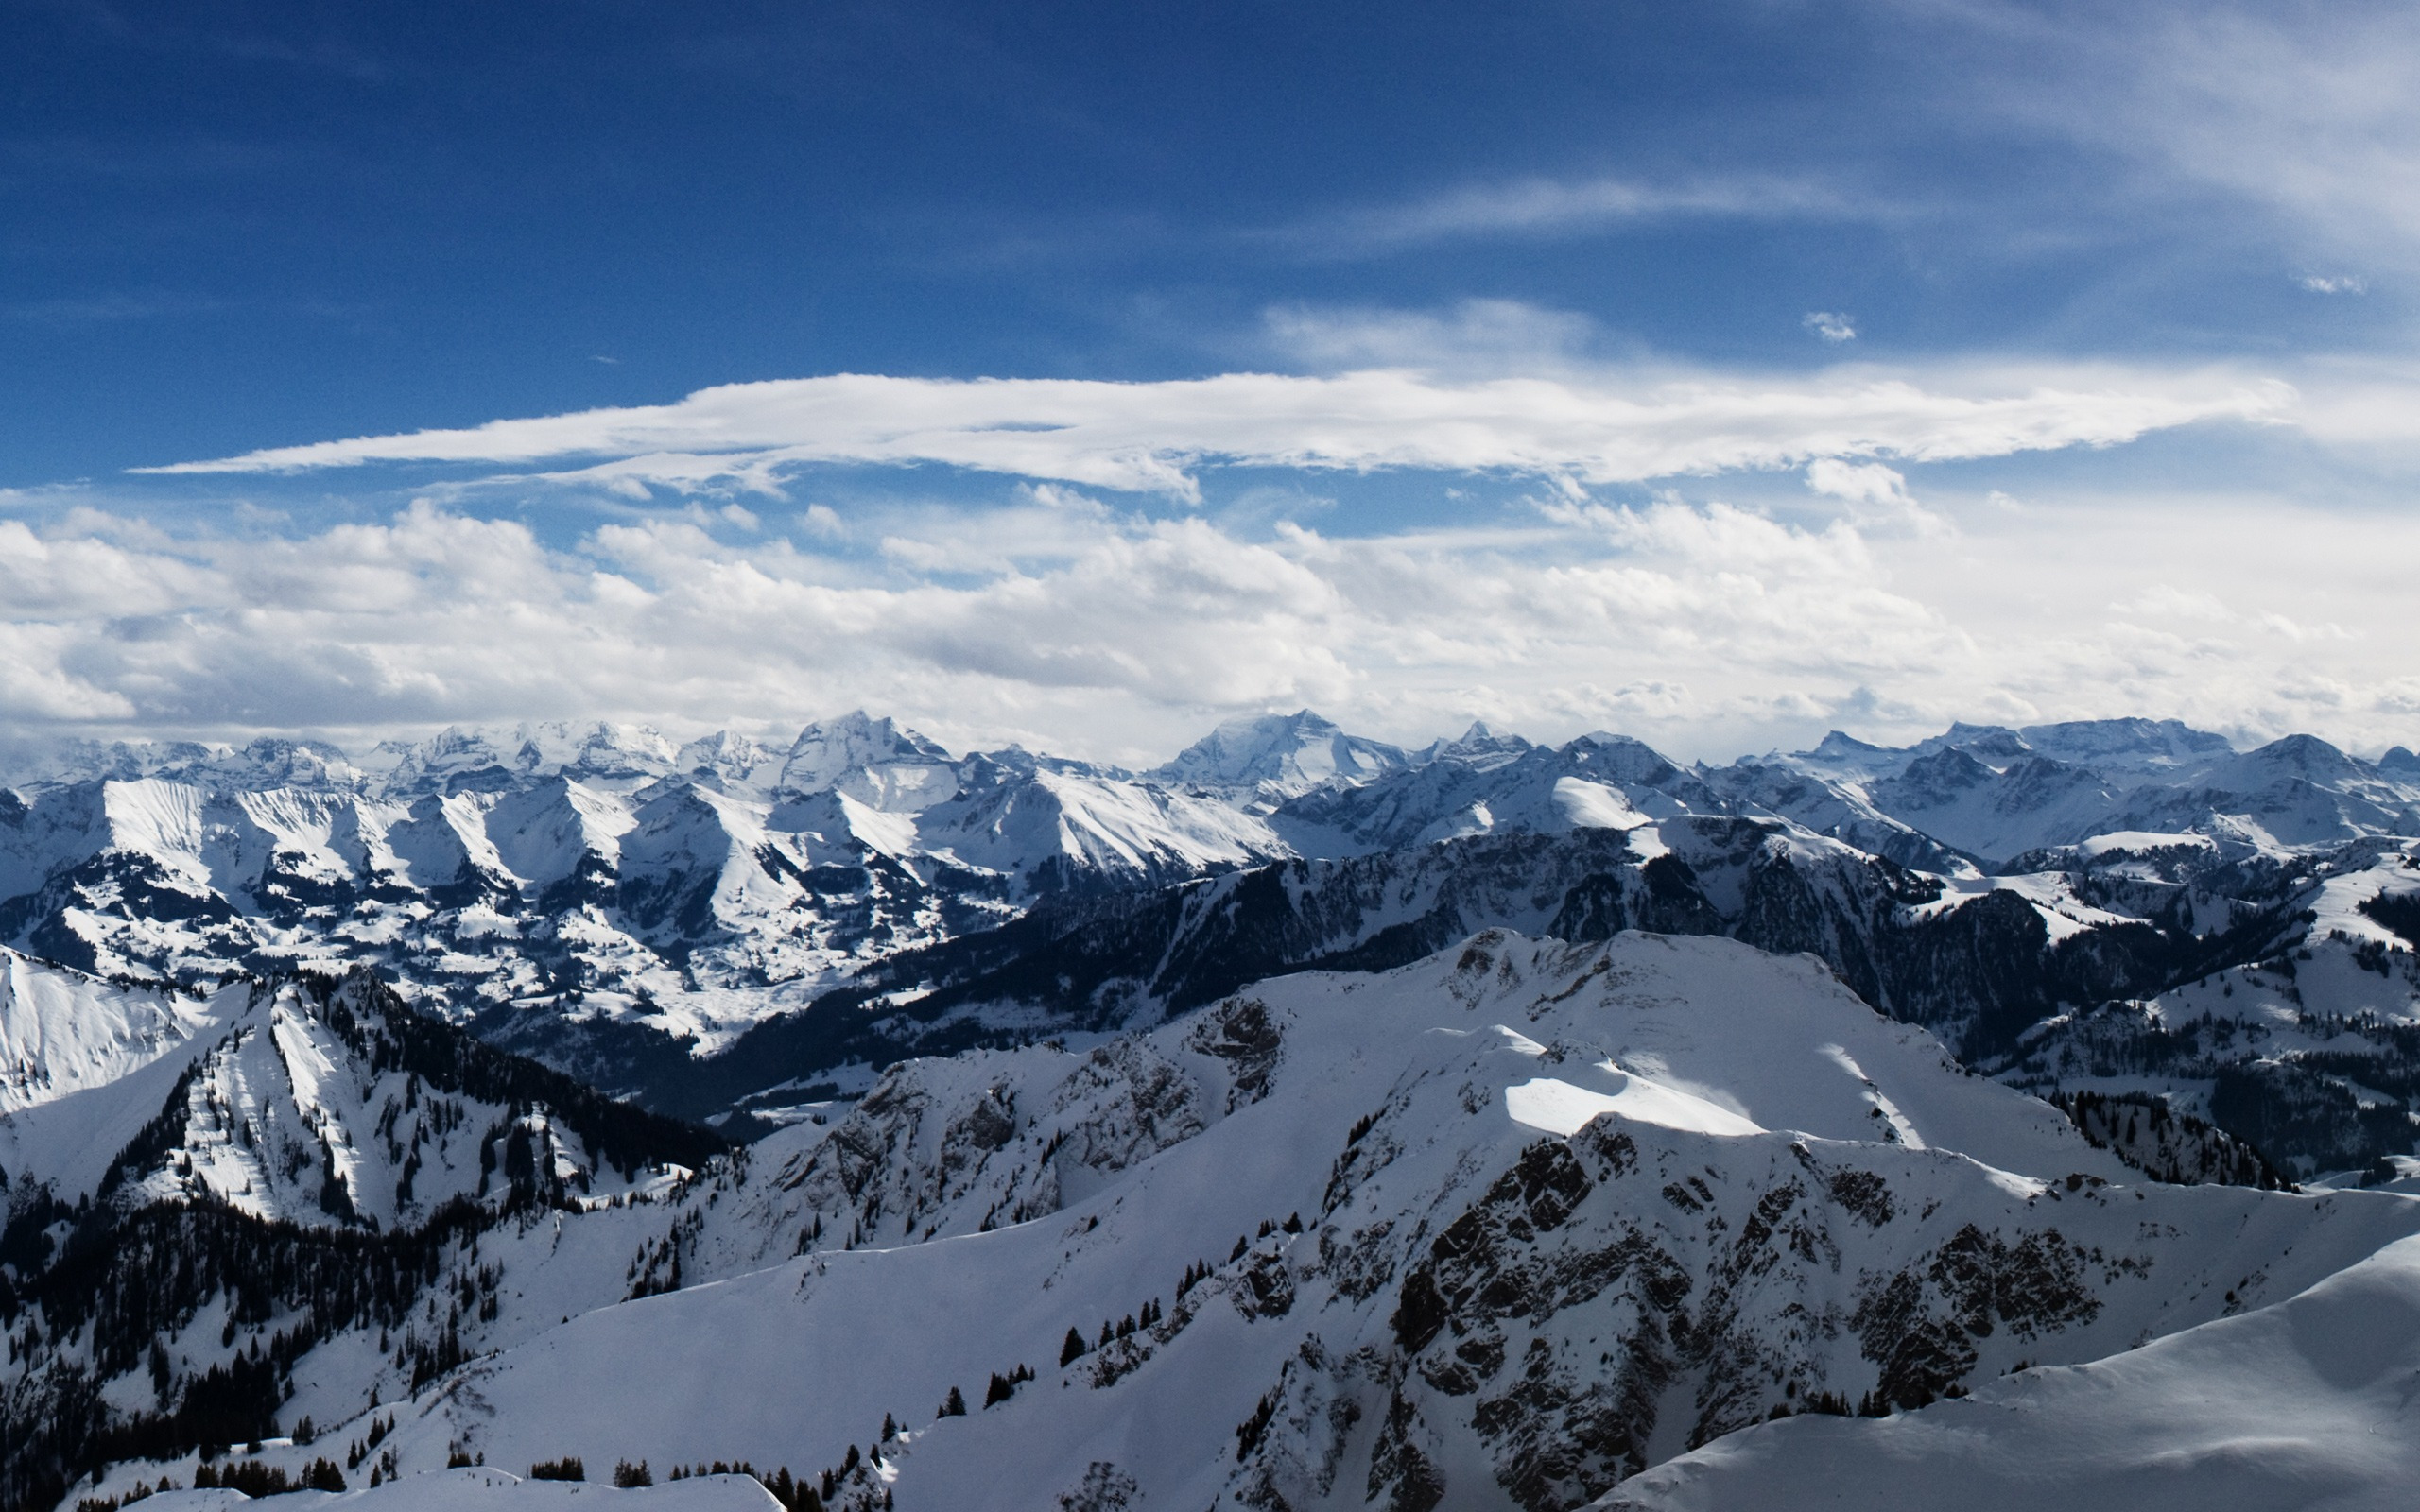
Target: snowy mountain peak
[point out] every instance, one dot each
(1992, 745)
(873, 761)
(1842, 752)
(2305, 757)
(2132, 745)
(1479, 746)
(727, 759)
(1267, 759)
(492, 759)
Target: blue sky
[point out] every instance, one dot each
(1719, 372)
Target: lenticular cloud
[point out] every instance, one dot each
(1601, 427)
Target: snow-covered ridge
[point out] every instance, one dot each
(2304, 1404)
(1998, 793)
(309, 1102)
(615, 901)
(1335, 1232)
(62, 1032)
(602, 871)
(1500, 1226)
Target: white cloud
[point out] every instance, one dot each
(1858, 482)
(1831, 325)
(2342, 285)
(1876, 495)
(1598, 427)
(2167, 601)
(2313, 119)
(1057, 620)
(1475, 336)
(1540, 205)
(2303, 112)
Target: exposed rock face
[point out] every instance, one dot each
(1997, 967)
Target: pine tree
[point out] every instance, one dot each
(1070, 1352)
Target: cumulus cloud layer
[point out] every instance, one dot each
(1078, 626)
(1050, 616)
(1601, 426)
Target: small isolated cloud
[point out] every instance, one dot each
(1876, 494)
(1857, 482)
(1544, 207)
(2292, 630)
(1476, 334)
(2345, 284)
(2167, 601)
(1831, 325)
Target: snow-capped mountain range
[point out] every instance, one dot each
(697, 886)
(1307, 1123)
(705, 925)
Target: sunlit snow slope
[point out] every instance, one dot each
(2305, 1405)
(1493, 1230)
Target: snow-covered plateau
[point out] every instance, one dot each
(1310, 1121)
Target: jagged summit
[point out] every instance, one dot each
(1477, 746)
(460, 760)
(2129, 745)
(1263, 761)
(873, 761)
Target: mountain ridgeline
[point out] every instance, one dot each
(1505, 1227)
(1314, 1122)
(725, 928)
(312, 1158)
